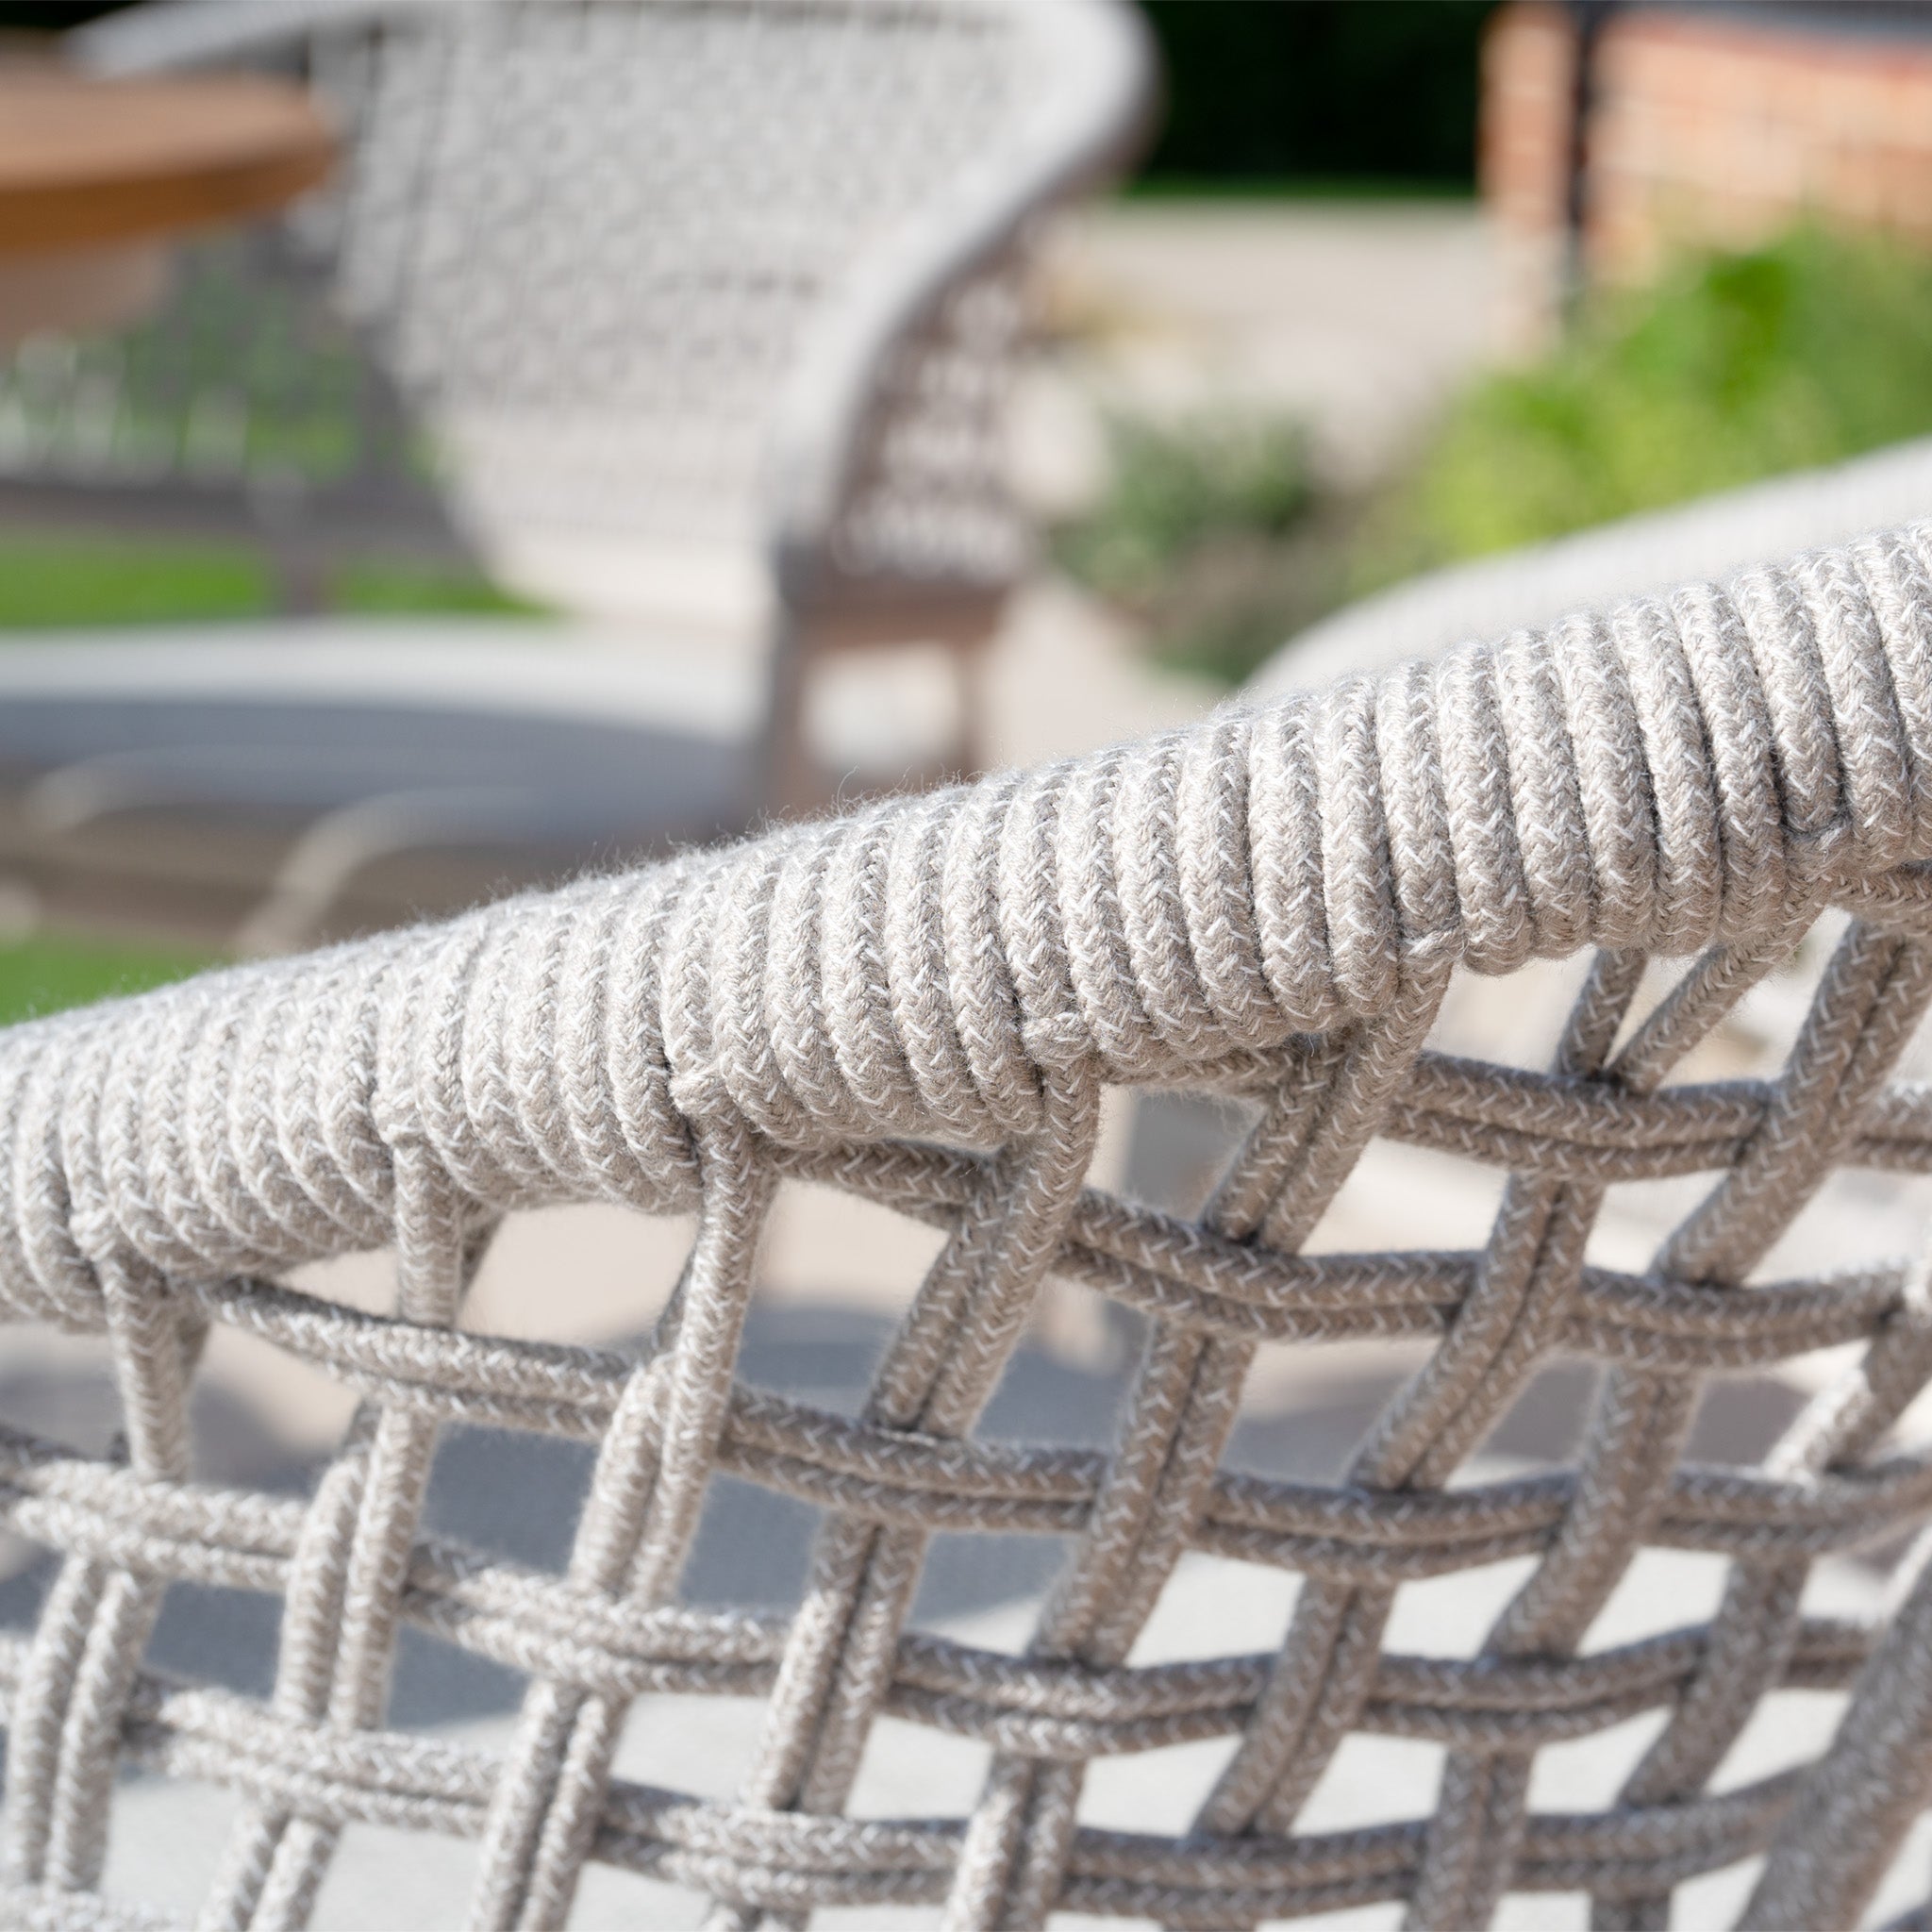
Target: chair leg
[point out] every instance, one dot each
(788, 782)
(968, 671)
(791, 782)
(301, 577)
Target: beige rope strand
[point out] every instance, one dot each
(923, 1004)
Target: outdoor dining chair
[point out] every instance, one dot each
(927, 1003)
(698, 316)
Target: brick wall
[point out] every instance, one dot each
(1707, 129)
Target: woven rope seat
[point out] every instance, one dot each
(923, 1003)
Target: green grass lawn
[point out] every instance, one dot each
(78, 581)
(47, 972)
(60, 582)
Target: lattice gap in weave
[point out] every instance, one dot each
(1199, 1561)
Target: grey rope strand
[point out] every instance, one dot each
(922, 1005)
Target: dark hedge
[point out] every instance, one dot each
(1288, 90)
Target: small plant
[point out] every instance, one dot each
(1177, 486)
(1203, 536)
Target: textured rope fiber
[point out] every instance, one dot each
(922, 1004)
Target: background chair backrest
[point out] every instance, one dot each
(601, 248)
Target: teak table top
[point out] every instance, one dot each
(87, 162)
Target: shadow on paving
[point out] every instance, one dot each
(518, 1496)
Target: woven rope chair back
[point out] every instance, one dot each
(591, 245)
(593, 237)
(923, 1003)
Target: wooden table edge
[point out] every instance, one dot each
(110, 208)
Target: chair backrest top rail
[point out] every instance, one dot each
(1678, 771)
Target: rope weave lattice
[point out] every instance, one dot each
(922, 1004)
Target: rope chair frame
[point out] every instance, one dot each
(923, 1003)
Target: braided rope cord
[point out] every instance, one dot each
(922, 1005)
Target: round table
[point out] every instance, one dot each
(99, 177)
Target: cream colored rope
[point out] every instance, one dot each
(922, 1004)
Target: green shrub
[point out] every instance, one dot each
(1206, 536)
(1253, 94)
(1175, 487)
(1730, 369)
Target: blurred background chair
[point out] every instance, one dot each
(692, 323)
